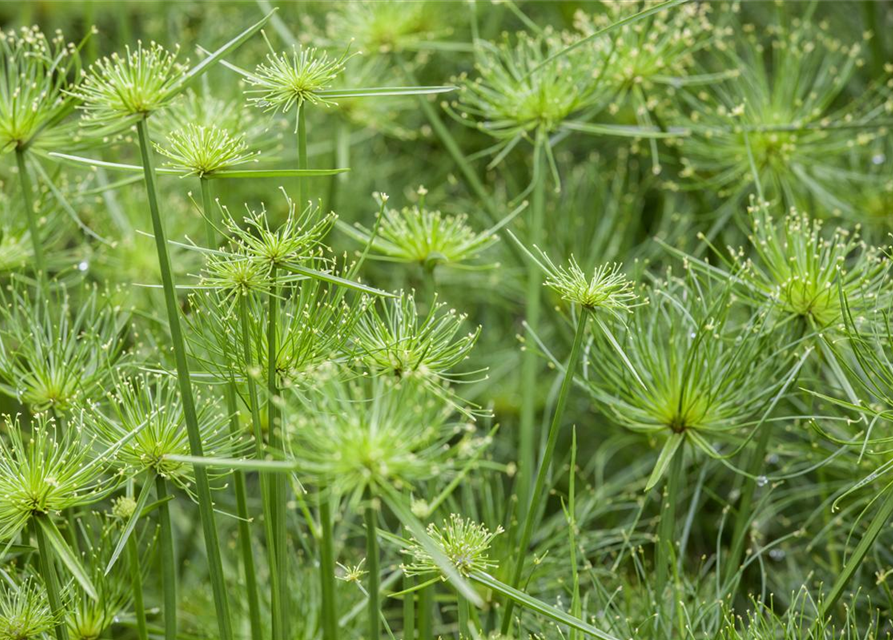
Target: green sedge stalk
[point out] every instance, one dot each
(50, 579)
(210, 231)
(529, 359)
(463, 613)
(665, 552)
(530, 515)
(302, 154)
(425, 622)
(168, 561)
(327, 567)
(372, 563)
(40, 267)
(136, 588)
(203, 488)
(254, 613)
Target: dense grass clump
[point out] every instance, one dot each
(420, 319)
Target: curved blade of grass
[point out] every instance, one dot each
(131, 523)
(408, 520)
(619, 350)
(663, 460)
(538, 606)
(342, 282)
(66, 555)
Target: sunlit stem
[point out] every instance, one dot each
(31, 215)
(50, 579)
(202, 487)
(207, 206)
(302, 155)
(531, 514)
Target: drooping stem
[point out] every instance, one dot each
(254, 615)
(529, 358)
(202, 486)
(372, 562)
(878, 522)
(136, 588)
(530, 517)
(31, 215)
(666, 532)
(50, 579)
(168, 561)
(327, 567)
(210, 231)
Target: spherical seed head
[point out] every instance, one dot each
(463, 542)
(198, 150)
(285, 81)
(25, 613)
(140, 82)
(123, 507)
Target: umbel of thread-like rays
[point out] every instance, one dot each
(35, 71)
(25, 613)
(374, 431)
(509, 101)
(465, 543)
(393, 339)
(151, 404)
(88, 618)
(707, 375)
(286, 81)
(199, 150)
(138, 83)
(798, 267)
(53, 356)
(388, 26)
(46, 469)
(418, 235)
(783, 119)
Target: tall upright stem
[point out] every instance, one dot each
(666, 533)
(254, 615)
(302, 154)
(136, 588)
(529, 358)
(202, 486)
(168, 561)
(530, 517)
(372, 562)
(210, 231)
(50, 579)
(31, 215)
(426, 602)
(327, 567)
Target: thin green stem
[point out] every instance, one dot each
(168, 561)
(372, 565)
(136, 587)
(529, 358)
(878, 522)
(50, 579)
(254, 615)
(207, 206)
(666, 534)
(202, 486)
(745, 505)
(327, 567)
(463, 617)
(277, 486)
(33, 230)
(302, 154)
(426, 603)
(530, 518)
(409, 612)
